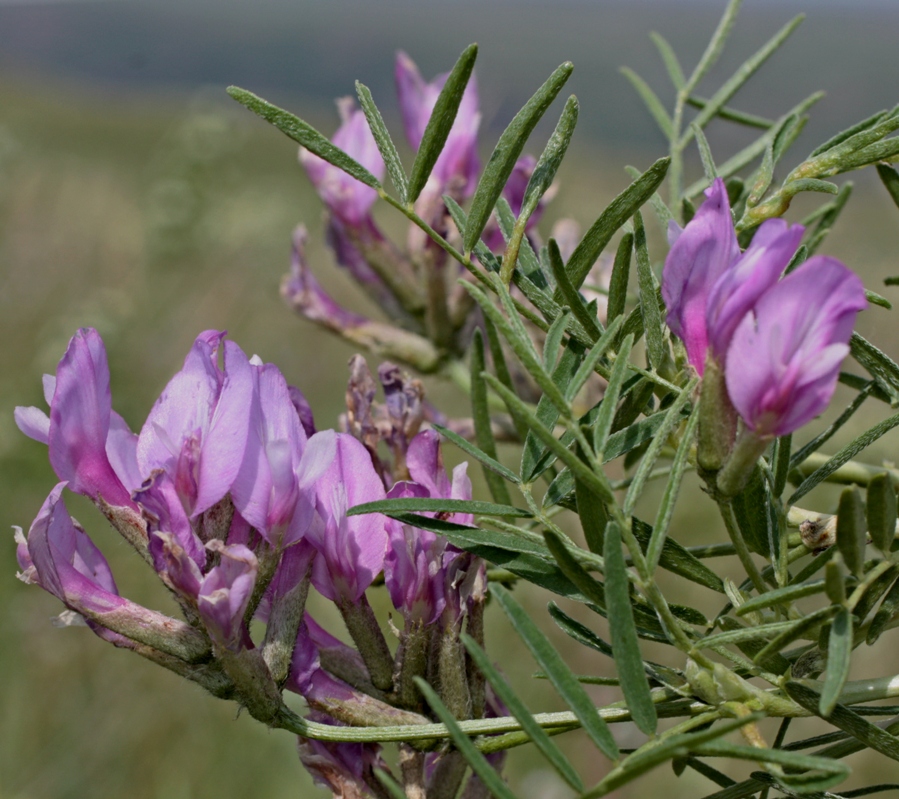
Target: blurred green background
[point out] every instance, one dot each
(136, 198)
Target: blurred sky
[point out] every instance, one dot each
(303, 53)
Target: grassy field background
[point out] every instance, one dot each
(152, 209)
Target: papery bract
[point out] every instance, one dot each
(784, 359)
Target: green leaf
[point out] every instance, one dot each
(653, 324)
(480, 413)
(743, 74)
(548, 412)
(672, 419)
(441, 122)
(843, 456)
(591, 360)
(624, 635)
(580, 470)
(303, 133)
(705, 154)
(392, 787)
(749, 153)
(801, 629)
(558, 672)
(878, 364)
(663, 675)
(520, 555)
(834, 584)
(874, 591)
(817, 773)
(506, 153)
(620, 274)
(554, 339)
(881, 511)
(715, 46)
(672, 490)
(841, 716)
(733, 115)
(852, 529)
(831, 212)
(840, 137)
(780, 597)
(885, 613)
(781, 460)
(592, 589)
(470, 449)
(619, 444)
(839, 658)
(678, 560)
(518, 709)
(593, 517)
(815, 444)
(655, 753)
(672, 65)
(890, 179)
(528, 264)
(615, 215)
(493, 782)
(652, 102)
(522, 347)
(569, 295)
(382, 138)
(438, 505)
(606, 416)
(545, 171)
(744, 634)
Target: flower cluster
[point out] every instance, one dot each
(768, 346)
(431, 316)
(239, 504)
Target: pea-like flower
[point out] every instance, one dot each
(784, 359)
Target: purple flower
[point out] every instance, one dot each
(700, 254)
(709, 285)
(273, 490)
(413, 568)
(426, 468)
(60, 558)
(197, 430)
(456, 169)
(225, 593)
(751, 275)
(785, 355)
(345, 196)
(351, 549)
(305, 294)
(90, 447)
(163, 511)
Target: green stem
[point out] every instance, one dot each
(736, 537)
